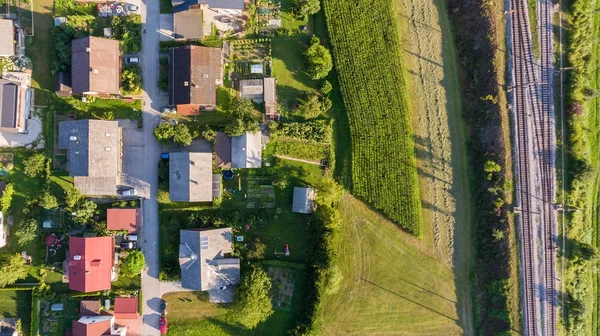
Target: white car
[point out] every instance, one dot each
(128, 192)
(168, 110)
(132, 8)
(132, 60)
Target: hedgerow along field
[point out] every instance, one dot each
(368, 59)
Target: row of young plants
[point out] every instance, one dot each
(476, 34)
(312, 130)
(367, 52)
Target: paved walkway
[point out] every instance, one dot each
(294, 159)
(149, 165)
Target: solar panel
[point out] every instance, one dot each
(204, 243)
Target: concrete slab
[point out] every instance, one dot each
(166, 27)
(34, 126)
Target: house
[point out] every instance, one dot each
(252, 89)
(191, 178)
(10, 326)
(222, 150)
(7, 29)
(246, 150)
(16, 101)
(126, 308)
(304, 200)
(90, 264)
(194, 73)
(62, 84)
(98, 325)
(204, 258)
(270, 97)
(94, 152)
(123, 219)
(95, 66)
(188, 24)
(89, 307)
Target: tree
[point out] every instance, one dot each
(253, 302)
(27, 231)
(35, 164)
(326, 87)
(252, 126)
(13, 268)
(235, 128)
(164, 133)
(242, 108)
(210, 135)
(72, 197)
(182, 135)
(48, 201)
(84, 211)
(134, 263)
(280, 182)
(131, 82)
(311, 106)
(491, 167)
(7, 196)
(257, 249)
(318, 58)
(305, 8)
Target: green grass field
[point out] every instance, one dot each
(431, 61)
(17, 304)
(39, 49)
(191, 314)
(393, 283)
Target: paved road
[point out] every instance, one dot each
(149, 165)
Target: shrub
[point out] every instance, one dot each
(182, 135)
(7, 196)
(48, 201)
(131, 81)
(134, 263)
(12, 267)
(253, 302)
(318, 58)
(26, 231)
(35, 165)
(326, 87)
(164, 133)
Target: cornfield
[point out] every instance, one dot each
(368, 60)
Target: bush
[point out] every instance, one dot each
(35, 165)
(253, 302)
(133, 264)
(304, 8)
(318, 58)
(48, 201)
(127, 30)
(131, 81)
(257, 249)
(164, 133)
(26, 231)
(326, 87)
(12, 267)
(182, 135)
(7, 196)
(310, 107)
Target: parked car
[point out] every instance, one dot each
(132, 8)
(163, 308)
(128, 245)
(163, 325)
(168, 110)
(128, 192)
(132, 60)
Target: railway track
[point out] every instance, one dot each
(533, 116)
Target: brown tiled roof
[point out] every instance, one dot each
(95, 65)
(122, 219)
(188, 109)
(194, 74)
(89, 307)
(126, 308)
(223, 150)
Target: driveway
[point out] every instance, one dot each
(167, 25)
(148, 166)
(132, 173)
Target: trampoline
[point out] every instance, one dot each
(228, 174)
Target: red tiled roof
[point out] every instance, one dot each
(188, 109)
(122, 219)
(90, 329)
(126, 308)
(90, 263)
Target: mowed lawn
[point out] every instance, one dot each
(431, 60)
(39, 49)
(15, 303)
(392, 283)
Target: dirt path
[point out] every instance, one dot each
(430, 59)
(294, 159)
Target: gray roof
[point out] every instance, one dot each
(94, 152)
(190, 177)
(246, 150)
(9, 326)
(8, 104)
(188, 24)
(202, 259)
(252, 89)
(270, 96)
(7, 29)
(224, 4)
(304, 200)
(216, 186)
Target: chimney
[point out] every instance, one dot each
(94, 70)
(186, 83)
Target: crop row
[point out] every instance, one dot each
(367, 54)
